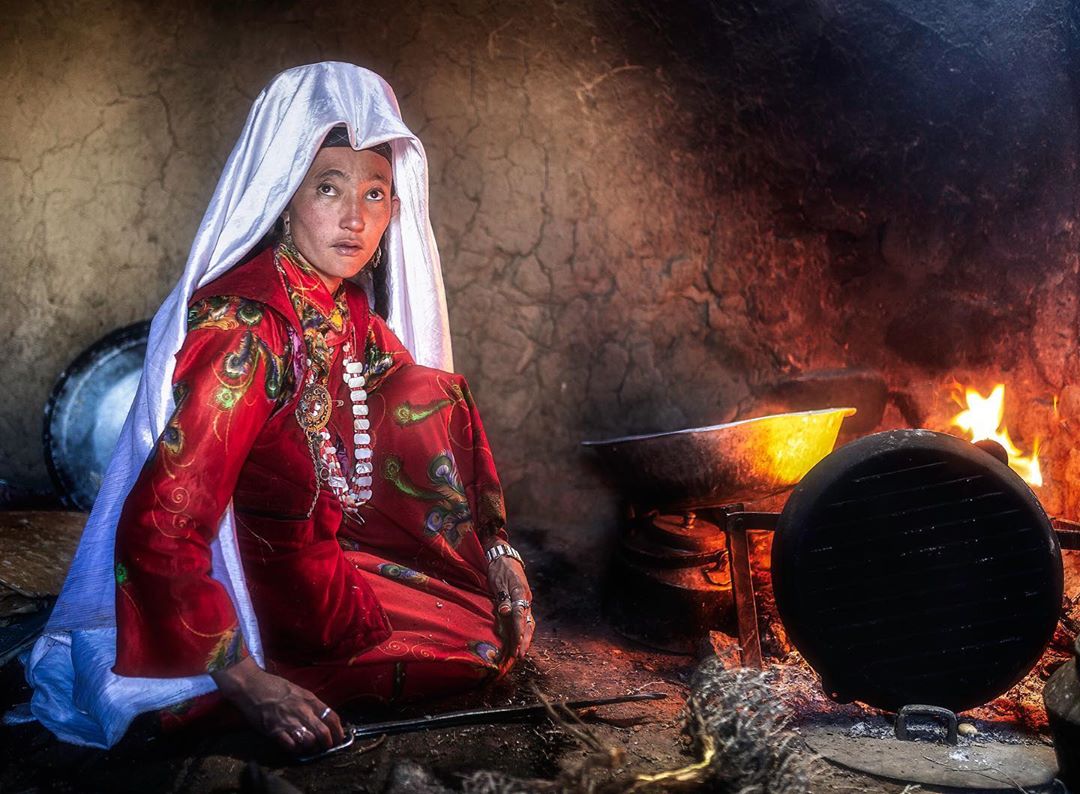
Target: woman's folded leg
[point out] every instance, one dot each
(445, 640)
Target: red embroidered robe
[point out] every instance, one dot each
(346, 608)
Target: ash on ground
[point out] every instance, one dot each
(1000, 721)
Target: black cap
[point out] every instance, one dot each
(339, 136)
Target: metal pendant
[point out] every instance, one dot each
(313, 410)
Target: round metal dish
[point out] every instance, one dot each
(913, 567)
(87, 409)
(721, 464)
(984, 766)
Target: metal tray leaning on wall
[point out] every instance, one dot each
(87, 409)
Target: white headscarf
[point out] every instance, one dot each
(76, 695)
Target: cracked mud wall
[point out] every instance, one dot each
(569, 210)
(648, 212)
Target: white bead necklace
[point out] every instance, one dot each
(356, 490)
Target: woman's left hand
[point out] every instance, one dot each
(513, 603)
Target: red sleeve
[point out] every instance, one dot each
(172, 618)
(482, 484)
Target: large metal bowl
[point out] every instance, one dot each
(734, 462)
(87, 409)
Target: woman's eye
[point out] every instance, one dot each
(327, 189)
(376, 193)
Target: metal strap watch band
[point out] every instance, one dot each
(503, 550)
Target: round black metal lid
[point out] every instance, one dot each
(87, 409)
(912, 567)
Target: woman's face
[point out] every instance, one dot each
(341, 210)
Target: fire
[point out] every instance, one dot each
(983, 419)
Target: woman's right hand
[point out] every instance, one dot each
(280, 709)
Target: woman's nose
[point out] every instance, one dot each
(353, 218)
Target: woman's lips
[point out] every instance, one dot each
(348, 249)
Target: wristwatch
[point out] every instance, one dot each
(503, 550)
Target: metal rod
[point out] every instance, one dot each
(473, 717)
(1068, 533)
(488, 716)
(751, 520)
(742, 587)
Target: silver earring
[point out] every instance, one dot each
(377, 259)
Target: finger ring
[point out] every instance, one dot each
(325, 714)
(502, 595)
(299, 733)
(522, 603)
(529, 619)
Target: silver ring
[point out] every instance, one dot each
(529, 619)
(299, 733)
(325, 714)
(521, 602)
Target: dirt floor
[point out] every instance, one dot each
(576, 655)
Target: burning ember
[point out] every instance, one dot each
(983, 420)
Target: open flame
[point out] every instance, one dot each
(983, 419)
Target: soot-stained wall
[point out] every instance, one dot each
(648, 212)
(920, 164)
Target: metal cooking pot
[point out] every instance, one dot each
(734, 462)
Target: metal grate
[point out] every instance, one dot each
(912, 567)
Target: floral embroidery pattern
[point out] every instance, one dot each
(450, 516)
(238, 370)
(407, 414)
(230, 649)
(223, 312)
(488, 653)
(392, 471)
(347, 543)
(400, 573)
(463, 394)
(379, 362)
(172, 437)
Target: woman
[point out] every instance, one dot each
(364, 539)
